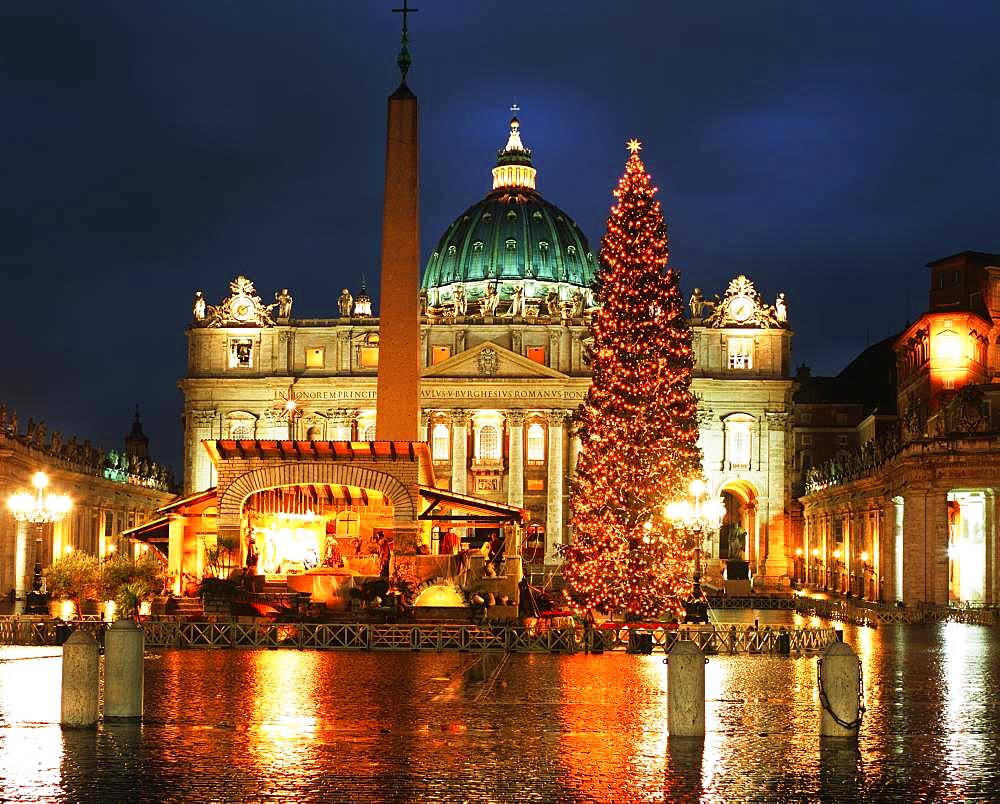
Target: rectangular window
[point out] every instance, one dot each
(806, 418)
(807, 440)
(439, 354)
(740, 351)
(240, 353)
(537, 353)
(536, 444)
(534, 484)
(369, 357)
(738, 445)
(315, 357)
(440, 442)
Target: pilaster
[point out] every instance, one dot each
(554, 501)
(459, 450)
(515, 475)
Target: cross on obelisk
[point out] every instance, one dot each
(404, 54)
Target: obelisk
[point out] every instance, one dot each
(398, 408)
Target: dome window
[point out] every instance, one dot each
(511, 215)
(536, 215)
(487, 216)
(543, 248)
(571, 250)
(511, 244)
(451, 249)
(590, 256)
(477, 246)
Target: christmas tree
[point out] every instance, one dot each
(638, 424)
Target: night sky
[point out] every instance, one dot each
(153, 149)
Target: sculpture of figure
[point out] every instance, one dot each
(460, 304)
(552, 303)
(284, 299)
(40, 430)
(31, 429)
(697, 303)
(422, 299)
(490, 301)
(780, 309)
(345, 302)
(56, 442)
(517, 302)
(13, 422)
(577, 303)
(199, 306)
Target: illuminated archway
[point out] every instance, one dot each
(738, 538)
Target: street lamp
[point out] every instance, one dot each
(698, 514)
(37, 509)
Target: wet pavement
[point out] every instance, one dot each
(324, 726)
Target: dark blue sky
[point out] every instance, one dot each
(152, 149)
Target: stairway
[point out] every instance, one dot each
(187, 608)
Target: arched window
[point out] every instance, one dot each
(536, 443)
(368, 433)
(314, 433)
(738, 440)
(241, 431)
(440, 440)
(488, 443)
(348, 523)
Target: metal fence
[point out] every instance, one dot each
(870, 613)
(724, 639)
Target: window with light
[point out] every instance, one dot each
(368, 433)
(488, 444)
(440, 442)
(348, 523)
(738, 444)
(536, 443)
(740, 351)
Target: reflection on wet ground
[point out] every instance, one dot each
(284, 724)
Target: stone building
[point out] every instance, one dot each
(111, 492)
(911, 516)
(505, 302)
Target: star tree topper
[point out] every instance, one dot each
(633, 145)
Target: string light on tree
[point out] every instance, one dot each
(638, 425)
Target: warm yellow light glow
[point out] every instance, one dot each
(112, 548)
(145, 608)
(109, 610)
(798, 551)
(68, 548)
(815, 552)
(697, 487)
(948, 346)
(20, 502)
(633, 145)
(39, 480)
(836, 553)
(66, 610)
(864, 555)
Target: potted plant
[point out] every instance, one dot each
(74, 577)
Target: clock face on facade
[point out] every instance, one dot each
(242, 308)
(741, 308)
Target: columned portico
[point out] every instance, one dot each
(554, 502)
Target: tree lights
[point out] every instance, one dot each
(638, 425)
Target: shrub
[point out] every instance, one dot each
(129, 583)
(76, 576)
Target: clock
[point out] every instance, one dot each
(243, 308)
(740, 309)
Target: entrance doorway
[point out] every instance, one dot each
(737, 534)
(966, 546)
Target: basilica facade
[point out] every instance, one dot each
(505, 307)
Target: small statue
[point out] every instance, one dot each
(13, 422)
(31, 429)
(56, 442)
(577, 303)
(517, 302)
(284, 299)
(552, 303)
(3, 417)
(199, 306)
(461, 306)
(345, 302)
(40, 430)
(490, 301)
(422, 300)
(780, 309)
(697, 303)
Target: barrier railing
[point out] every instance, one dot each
(870, 613)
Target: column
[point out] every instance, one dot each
(20, 565)
(200, 470)
(554, 486)
(459, 451)
(515, 473)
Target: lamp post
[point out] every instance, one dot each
(799, 567)
(698, 514)
(37, 509)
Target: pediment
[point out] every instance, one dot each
(489, 361)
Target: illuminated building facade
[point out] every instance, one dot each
(505, 302)
(110, 491)
(911, 515)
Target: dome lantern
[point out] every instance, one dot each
(514, 168)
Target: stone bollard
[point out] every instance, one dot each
(838, 675)
(80, 676)
(123, 671)
(686, 690)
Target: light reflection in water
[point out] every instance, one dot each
(29, 699)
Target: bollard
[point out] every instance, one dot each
(841, 694)
(123, 671)
(686, 690)
(80, 676)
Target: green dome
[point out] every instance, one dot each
(512, 237)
